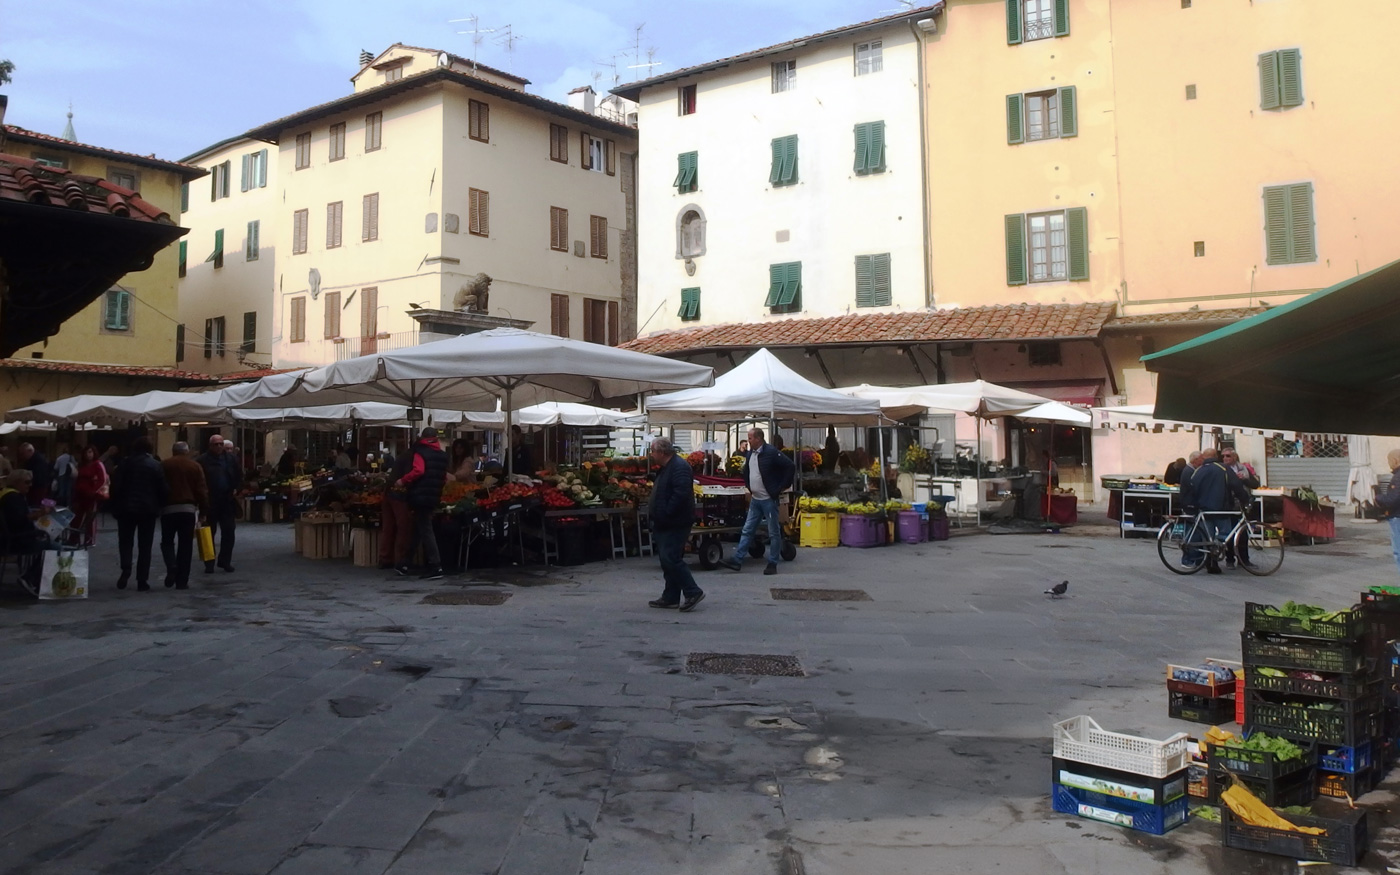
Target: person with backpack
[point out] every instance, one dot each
(426, 476)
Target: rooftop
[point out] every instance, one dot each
(1185, 318)
(456, 59)
(104, 370)
(24, 135)
(27, 181)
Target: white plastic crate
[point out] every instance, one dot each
(1083, 740)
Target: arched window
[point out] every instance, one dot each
(690, 232)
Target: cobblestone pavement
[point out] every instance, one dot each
(300, 717)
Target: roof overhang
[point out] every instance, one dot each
(13, 135)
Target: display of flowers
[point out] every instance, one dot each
(916, 460)
(736, 464)
(810, 459)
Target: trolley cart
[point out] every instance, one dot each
(719, 516)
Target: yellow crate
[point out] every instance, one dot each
(819, 529)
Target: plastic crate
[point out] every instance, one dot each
(1154, 819)
(1346, 687)
(1239, 707)
(1347, 727)
(1299, 788)
(1198, 781)
(1344, 843)
(1260, 764)
(1276, 651)
(819, 529)
(1380, 601)
(1124, 785)
(1212, 687)
(1346, 627)
(862, 531)
(1342, 784)
(1346, 759)
(1201, 709)
(1083, 740)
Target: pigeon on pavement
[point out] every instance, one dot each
(1058, 589)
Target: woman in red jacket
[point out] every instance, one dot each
(89, 488)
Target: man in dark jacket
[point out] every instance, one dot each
(671, 511)
(188, 498)
(766, 473)
(1215, 487)
(37, 464)
(424, 481)
(222, 477)
(138, 497)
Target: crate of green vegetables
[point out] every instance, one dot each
(1307, 621)
(1262, 756)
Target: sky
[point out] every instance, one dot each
(170, 77)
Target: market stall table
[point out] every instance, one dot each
(1141, 510)
(616, 518)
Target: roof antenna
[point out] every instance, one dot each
(508, 39)
(477, 31)
(637, 52)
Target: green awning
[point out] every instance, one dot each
(1329, 362)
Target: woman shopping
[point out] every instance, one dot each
(90, 486)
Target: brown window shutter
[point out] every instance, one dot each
(585, 156)
(332, 321)
(613, 337)
(610, 153)
(485, 210)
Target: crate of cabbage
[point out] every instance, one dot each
(1306, 621)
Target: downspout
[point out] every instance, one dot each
(923, 159)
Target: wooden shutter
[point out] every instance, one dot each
(299, 223)
(1061, 17)
(298, 319)
(331, 325)
(792, 286)
(882, 291)
(1077, 237)
(243, 177)
(1300, 223)
(877, 147)
(369, 220)
(1069, 113)
(369, 320)
(479, 212)
(1268, 81)
(180, 342)
(220, 336)
(214, 183)
(865, 282)
(610, 157)
(598, 236)
(585, 151)
(613, 324)
(1015, 119)
(790, 160)
(109, 307)
(184, 257)
(559, 315)
(208, 338)
(1013, 22)
(776, 172)
(1016, 249)
(218, 255)
(185, 198)
(776, 274)
(690, 304)
(862, 165)
(124, 310)
(1290, 77)
(1277, 234)
(228, 171)
(333, 223)
(250, 244)
(250, 331)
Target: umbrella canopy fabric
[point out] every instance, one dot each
(761, 387)
(156, 406)
(977, 398)
(1057, 411)
(1328, 362)
(557, 413)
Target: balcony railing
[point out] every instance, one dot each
(354, 347)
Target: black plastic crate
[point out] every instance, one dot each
(1341, 784)
(1346, 727)
(1114, 782)
(1346, 627)
(1334, 686)
(1201, 709)
(1282, 651)
(1258, 764)
(1299, 788)
(1381, 602)
(1344, 843)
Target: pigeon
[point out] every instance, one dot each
(1058, 589)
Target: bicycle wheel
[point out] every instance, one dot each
(1173, 547)
(1265, 549)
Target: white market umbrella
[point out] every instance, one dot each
(762, 387)
(555, 413)
(155, 406)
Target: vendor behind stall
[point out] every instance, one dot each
(21, 536)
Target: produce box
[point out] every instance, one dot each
(819, 529)
(1154, 819)
(1195, 680)
(1083, 740)
(1119, 784)
(1198, 780)
(1293, 619)
(1349, 726)
(1344, 784)
(365, 552)
(1332, 687)
(1277, 651)
(1200, 709)
(1258, 762)
(1344, 843)
(1299, 788)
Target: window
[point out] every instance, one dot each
(478, 121)
(208, 338)
(685, 100)
(784, 76)
(690, 305)
(870, 148)
(337, 142)
(690, 233)
(559, 229)
(869, 57)
(218, 337)
(1288, 224)
(369, 320)
(374, 126)
(218, 180)
(873, 280)
(184, 257)
(559, 144)
(298, 319)
(334, 213)
(217, 256)
(1200, 248)
(185, 197)
(600, 321)
(331, 329)
(559, 315)
(1043, 354)
(1041, 115)
(49, 161)
(250, 332)
(1280, 79)
(369, 218)
(1190, 92)
(479, 212)
(300, 220)
(254, 173)
(125, 178)
(303, 151)
(1047, 247)
(394, 73)
(784, 169)
(598, 236)
(596, 154)
(1036, 19)
(180, 342)
(116, 310)
(784, 287)
(686, 174)
(252, 244)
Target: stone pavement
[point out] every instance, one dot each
(300, 717)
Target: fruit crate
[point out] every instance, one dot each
(1201, 709)
(1198, 781)
(1346, 759)
(1299, 788)
(1154, 819)
(1083, 740)
(1347, 687)
(1346, 627)
(1346, 727)
(1344, 843)
(1382, 618)
(1277, 651)
(1343, 784)
(1187, 679)
(1262, 765)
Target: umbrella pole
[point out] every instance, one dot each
(884, 487)
(977, 462)
(510, 456)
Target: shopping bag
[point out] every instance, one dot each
(205, 536)
(65, 575)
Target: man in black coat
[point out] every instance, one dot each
(139, 492)
(223, 477)
(1215, 487)
(426, 477)
(671, 511)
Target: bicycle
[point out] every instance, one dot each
(1186, 544)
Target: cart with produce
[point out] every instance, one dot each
(719, 516)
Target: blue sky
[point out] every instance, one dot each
(173, 76)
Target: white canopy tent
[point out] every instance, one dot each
(762, 387)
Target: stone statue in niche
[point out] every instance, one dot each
(472, 296)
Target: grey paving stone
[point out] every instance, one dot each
(535, 853)
(383, 816)
(310, 860)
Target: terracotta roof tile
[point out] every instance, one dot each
(1185, 317)
(188, 171)
(1008, 322)
(28, 181)
(104, 370)
(254, 374)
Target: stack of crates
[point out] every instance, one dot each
(1310, 681)
(1119, 779)
(1382, 613)
(1199, 694)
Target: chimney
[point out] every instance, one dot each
(581, 98)
(365, 58)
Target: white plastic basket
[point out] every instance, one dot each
(1083, 740)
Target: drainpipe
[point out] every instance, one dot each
(919, 29)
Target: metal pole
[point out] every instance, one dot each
(977, 461)
(510, 456)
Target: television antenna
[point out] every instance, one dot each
(637, 52)
(478, 33)
(507, 40)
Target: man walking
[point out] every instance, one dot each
(672, 513)
(188, 498)
(767, 472)
(138, 497)
(424, 481)
(222, 477)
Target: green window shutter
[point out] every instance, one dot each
(862, 149)
(218, 247)
(877, 147)
(1013, 22)
(883, 291)
(185, 198)
(777, 275)
(792, 286)
(124, 310)
(789, 174)
(865, 282)
(1069, 112)
(244, 176)
(1016, 249)
(1015, 119)
(779, 150)
(1277, 234)
(184, 256)
(262, 169)
(1061, 17)
(228, 169)
(690, 304)
(687, 164)
(1077, 236)
(1301, 230)
(109, 310)
(1290, 77)
(1268, 81)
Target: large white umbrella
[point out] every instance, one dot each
(155, 406)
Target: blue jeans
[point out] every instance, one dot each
(761, 508)
(669, 545)
(1395, 538)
